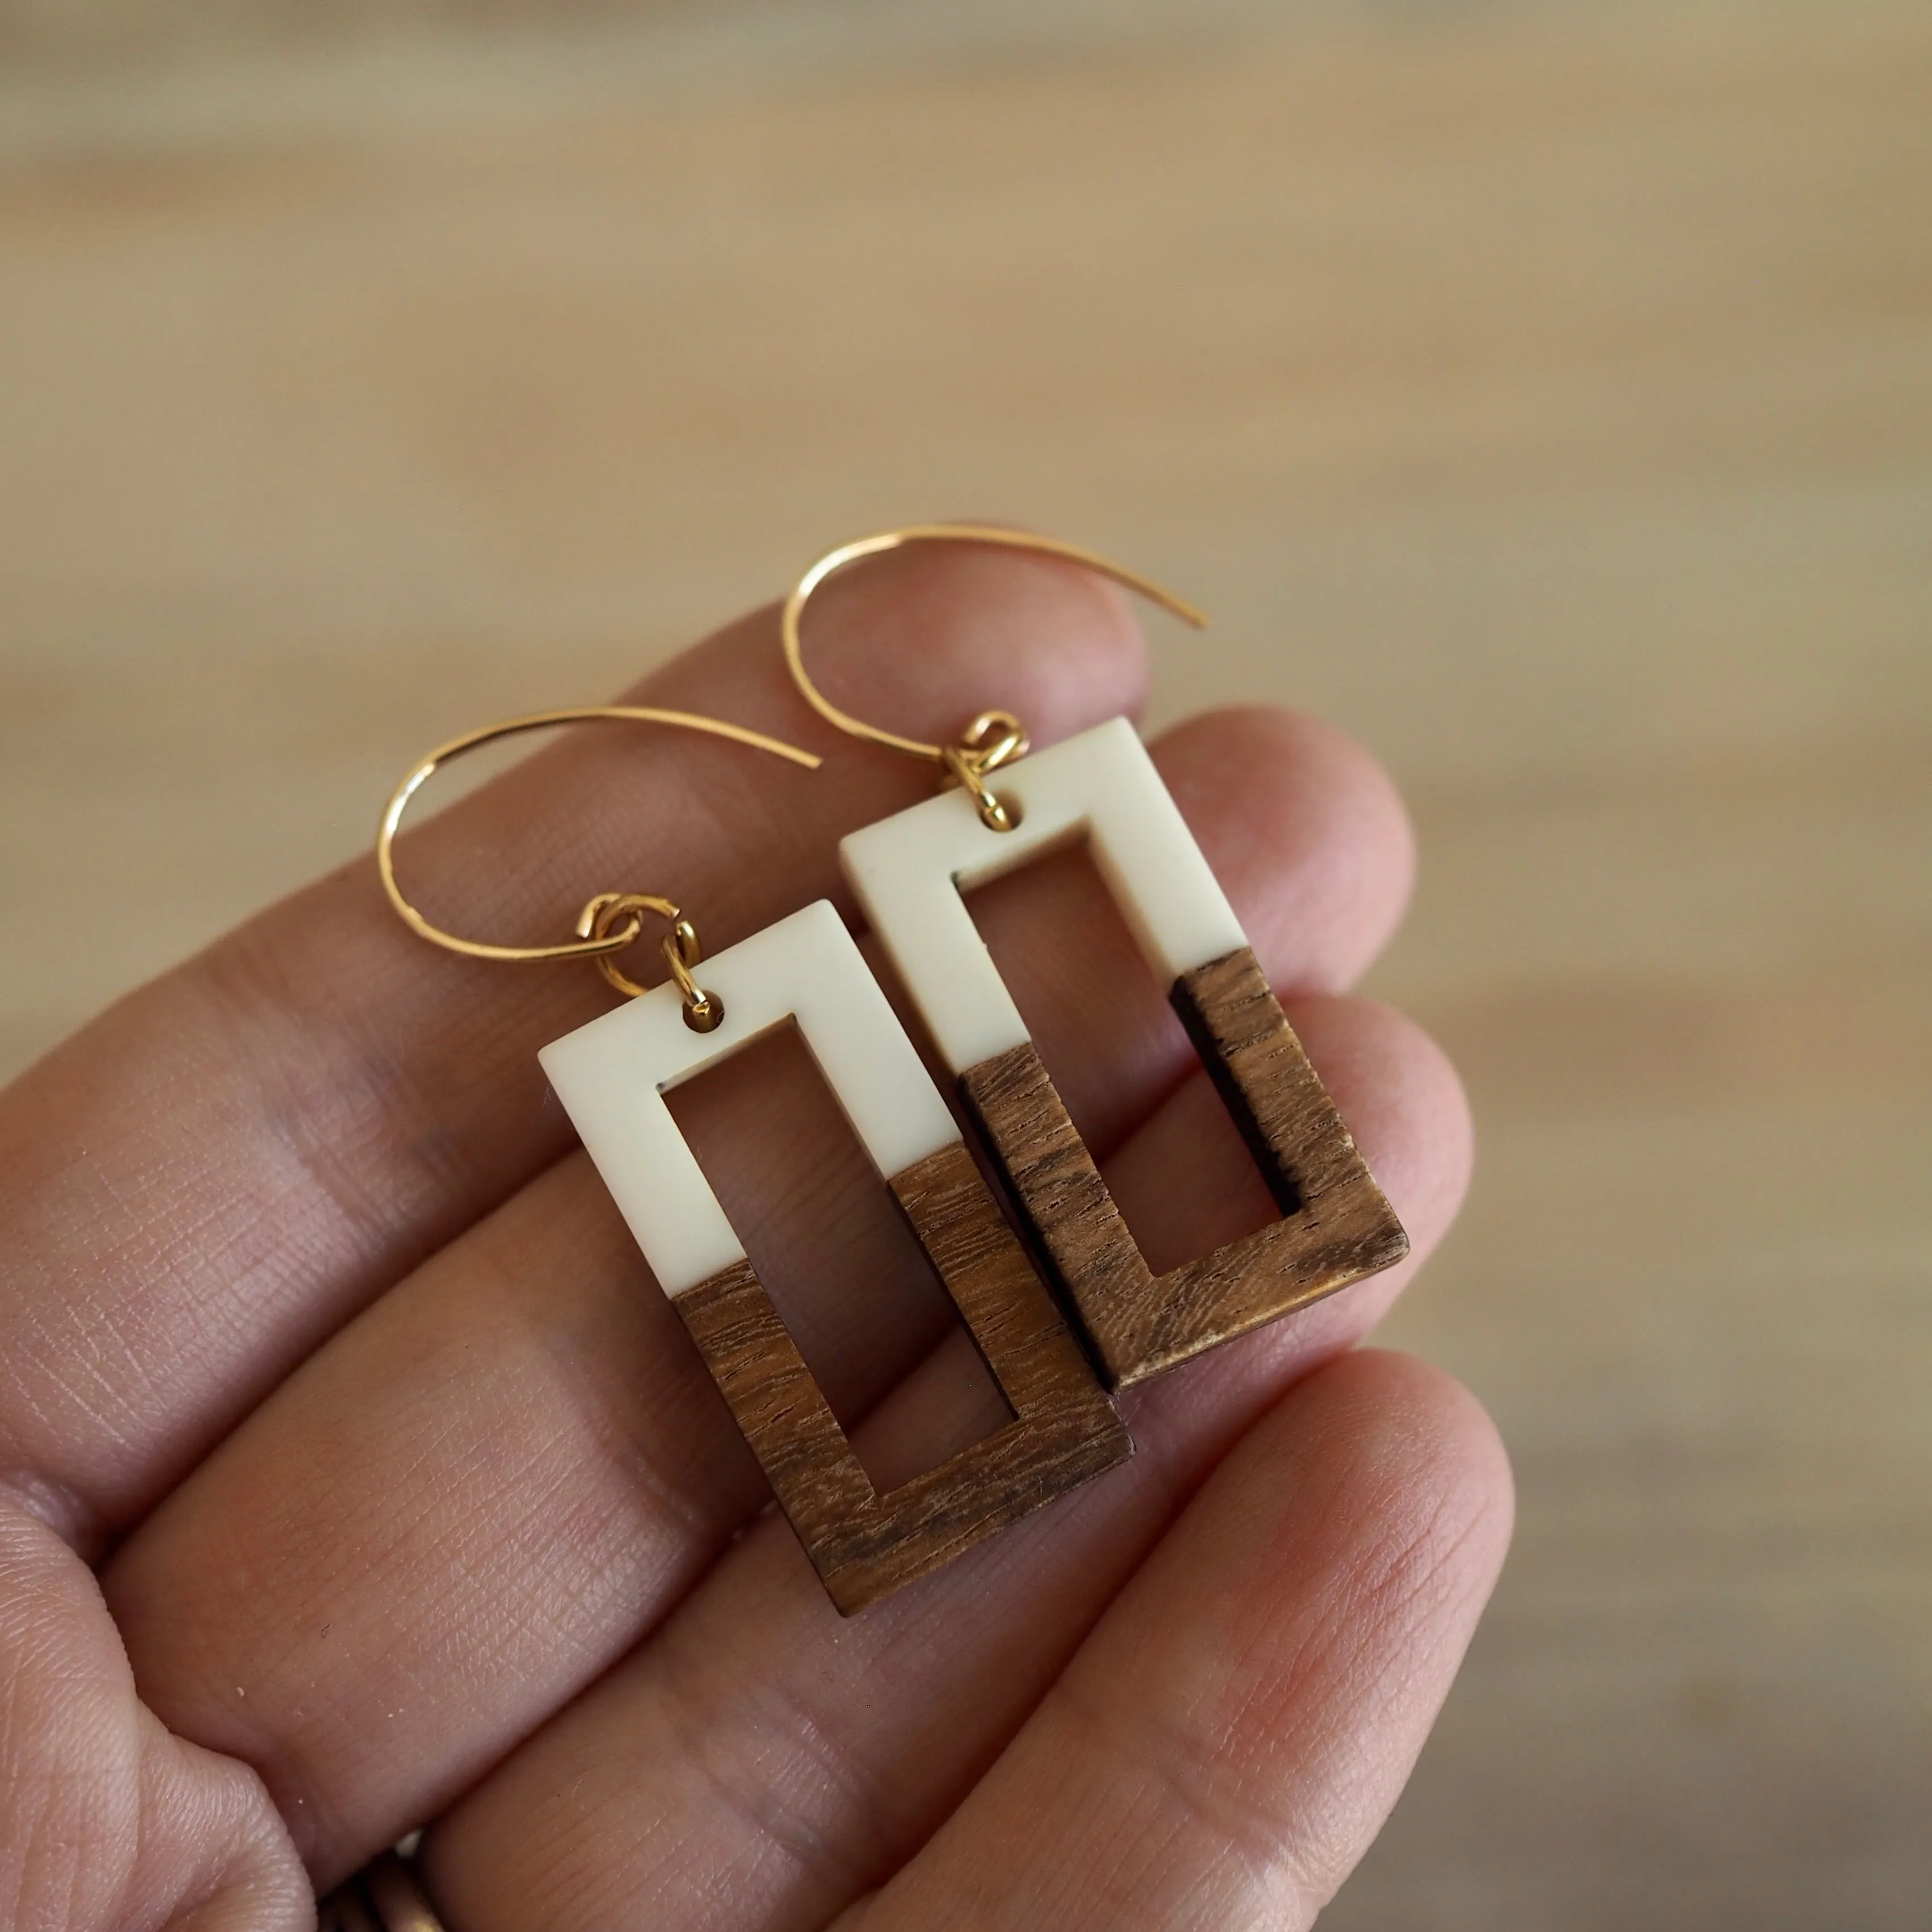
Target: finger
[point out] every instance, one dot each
(516, 1461)
(759, 1737)
(1307, 835)
(109, 1822)
(215, 1175)
(1224, 1746)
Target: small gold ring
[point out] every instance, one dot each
(597, 922)
(968, 772)
(994, 738)
(703, 1011)
(1009, 743)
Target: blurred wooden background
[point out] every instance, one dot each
(1545, 392)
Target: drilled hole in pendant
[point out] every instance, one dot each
(705, 1014)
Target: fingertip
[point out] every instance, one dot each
(1390, 1484)
(1256, 1696)
(1370, 1576)
(1307, 832)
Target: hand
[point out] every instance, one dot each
(332, 1387)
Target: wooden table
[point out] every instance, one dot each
(1546, 394)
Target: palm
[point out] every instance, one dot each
(415, 1504)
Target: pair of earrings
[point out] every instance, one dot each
(1058, 1344)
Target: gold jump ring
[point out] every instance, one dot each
(598, 920)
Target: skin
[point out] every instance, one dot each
(355, 1475)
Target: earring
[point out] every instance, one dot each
(910, 871)
(612, 1075)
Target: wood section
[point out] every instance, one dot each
(1065, 1430)
(1336, 1224)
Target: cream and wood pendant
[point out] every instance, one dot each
(910, 872)
(612, 1075)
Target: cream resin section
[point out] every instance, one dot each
(612, 1076)
(910, 871)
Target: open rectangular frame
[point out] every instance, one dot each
(612, 1075)
(911, 872)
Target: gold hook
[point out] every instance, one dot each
(994, 737)
(599, 934)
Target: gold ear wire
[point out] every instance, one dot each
(611, 920)
(994, 738)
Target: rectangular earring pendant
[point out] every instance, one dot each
(612, 1075)
(910, 871)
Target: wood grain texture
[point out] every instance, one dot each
(1336, 1224)
(1543, 393)
(865, 1544)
